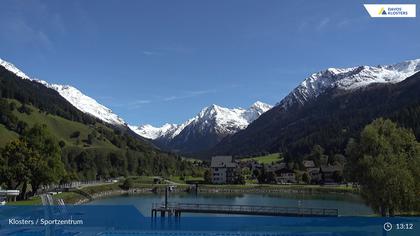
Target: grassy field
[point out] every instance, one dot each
(68, 197)
(59, 127)
(251, 181)
(139, 182)
(297, 187)
(143, 179)
(31, 201)
(146, 182)
(268, 159)
(180, 180)
(6, 135)
(101, 188)
(149, 180)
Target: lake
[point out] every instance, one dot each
(347, 204)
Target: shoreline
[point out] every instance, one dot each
(90, 193)
(113, 190)
(107, 194)
(210, 189)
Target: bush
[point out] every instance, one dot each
(24, 109)
(385, 161)
(75, 134)
(62, 143)
(306, 178)
(128, 184)
(207, 177)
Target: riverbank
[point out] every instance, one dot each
(87, 194)
(267, 188)
(91, 193)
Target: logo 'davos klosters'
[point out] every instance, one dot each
(382, 11)
(391, 10)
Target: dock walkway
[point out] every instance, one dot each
(176, 209)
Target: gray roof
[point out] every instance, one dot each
(313, 170)
(284, 170)
(328, 168)
(308, 164)
(222, 161)
(275, 167)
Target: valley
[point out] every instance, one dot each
(307, 142)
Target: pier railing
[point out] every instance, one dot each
(244, 209)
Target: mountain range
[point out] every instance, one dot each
(91, 146)
(82, 102)
(203, 131)
(349, 79)
(310, 113)
(330, 107)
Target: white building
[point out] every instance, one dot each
(285, 176)
(9, 195)
(223, 170)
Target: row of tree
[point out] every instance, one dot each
(98, 164)
(11, 121)
(385, 161)
(34, 159)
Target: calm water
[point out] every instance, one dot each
(348, 204)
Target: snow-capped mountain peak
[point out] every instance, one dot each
(258, 108)
(82, 102)
(260, 105)
(86, 104)
(12, 68)
(349, 79)
(151, 132)
(222, 120)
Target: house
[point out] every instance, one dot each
(224, 170)
(285, 176)
(308, 164)
(275, 167)
(331, 174)
(314, 175)
(314, 172)
(254, 165)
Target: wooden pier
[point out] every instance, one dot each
(176, 209)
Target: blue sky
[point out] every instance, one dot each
(163, 61)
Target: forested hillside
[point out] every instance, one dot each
(330, 120)
(89, 148)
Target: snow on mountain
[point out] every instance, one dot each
(256, 109)
(74, 96)
(12, 68)
(85, 103)
(151, 132)
(229, 121)
(222, 120)
(176, 129)
(349, 79)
